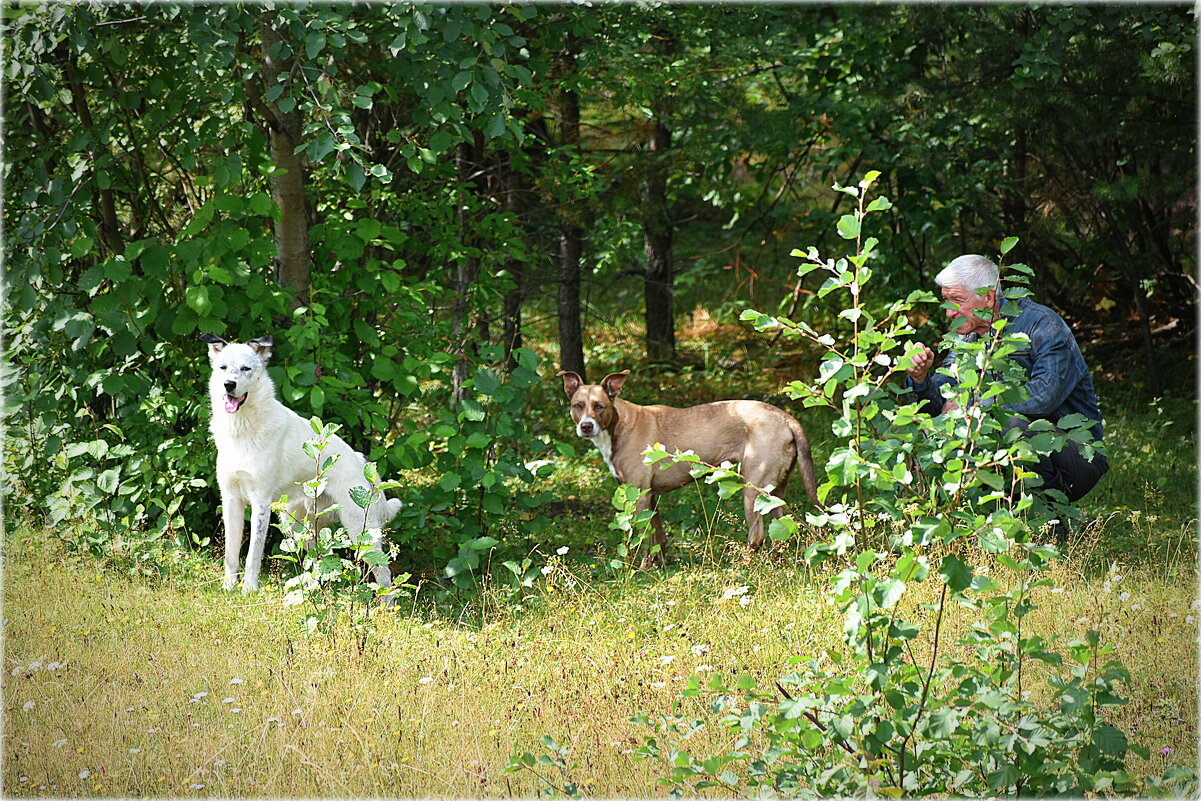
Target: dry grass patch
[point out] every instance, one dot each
(125, 687)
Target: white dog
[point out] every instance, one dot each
(260, 457)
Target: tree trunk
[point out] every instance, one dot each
(571, 332)
(1144, 322)
(293, 258)
(468, 156)
(571, 233)
(657, 229)
(515, 190)
(110, 227)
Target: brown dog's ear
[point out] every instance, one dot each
(612, 383)
(263, 346)
(571, 381)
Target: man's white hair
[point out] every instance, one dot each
(972, 272)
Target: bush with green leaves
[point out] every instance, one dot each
(327, 562)
(479, 454)
(104, 393)
(946, 503)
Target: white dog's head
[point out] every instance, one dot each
(237, 368)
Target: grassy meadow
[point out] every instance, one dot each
(121, 684)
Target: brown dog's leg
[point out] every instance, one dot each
(650, 556)
(754, 520)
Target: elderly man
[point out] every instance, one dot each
(1058, 380)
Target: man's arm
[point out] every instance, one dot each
(1051, 378)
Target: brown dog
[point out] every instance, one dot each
(766, 441)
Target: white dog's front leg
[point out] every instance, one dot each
(383, 575)
(234, 514)
(260, 517)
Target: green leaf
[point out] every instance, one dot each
(107, 481)
(890, 591)
(944, 722)
(197, 298)
(472, 411)
(1008, 244)
(848, 226)
(314, 43)
(956, 574)
(487, 381)
(81, 247)
(361, 496)
(1110, 741)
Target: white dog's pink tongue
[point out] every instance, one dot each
(232, 404)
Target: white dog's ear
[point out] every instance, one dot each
(263, 347)
(216, 344)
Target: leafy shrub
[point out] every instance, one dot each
(105, 389)
(913, 499)
(325, 580)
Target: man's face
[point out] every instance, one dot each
(973, 313)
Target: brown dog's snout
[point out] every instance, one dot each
(587, 428)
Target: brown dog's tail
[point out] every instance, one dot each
(804, 458)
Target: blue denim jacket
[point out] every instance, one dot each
(1057, 377)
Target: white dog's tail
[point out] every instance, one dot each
(391, 507)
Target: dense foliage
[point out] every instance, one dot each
(391, 190)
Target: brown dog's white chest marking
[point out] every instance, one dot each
(764, 440)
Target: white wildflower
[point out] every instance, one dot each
(734, 592)
(547, 570)
(227, 700)
(703, 668)
(666, 660)
(29, 705)
(425, 679)
(236, 681)
(563, 551)
(83, 774)
(699, 649)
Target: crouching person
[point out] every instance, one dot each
(1057, 378)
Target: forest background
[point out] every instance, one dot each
(433, 208)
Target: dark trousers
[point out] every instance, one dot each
(1067, 470)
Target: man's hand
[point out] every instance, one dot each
(922, 362)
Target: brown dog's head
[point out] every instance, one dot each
(592, 404)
